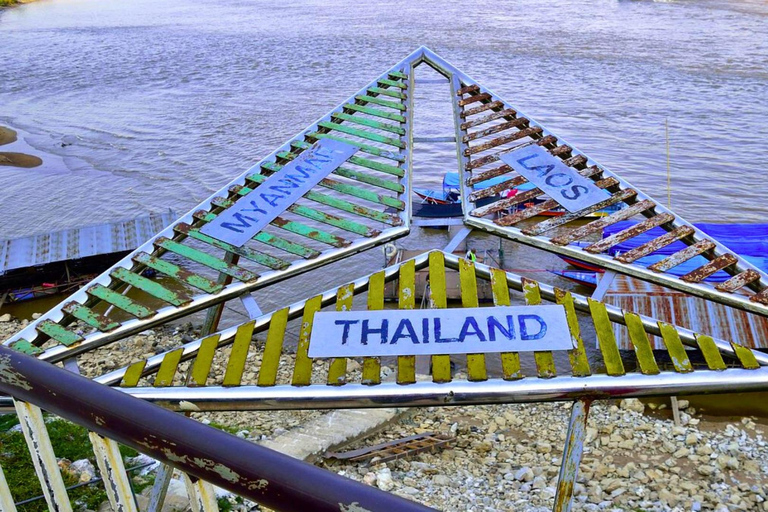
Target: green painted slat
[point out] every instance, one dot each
(286, 245)
(362, 177)
(362, 162)
(387, 92)
(176, 272)
(208, 260)
(246, 252)
(398, 74)
(120, 301)
(89, 316)
(711, 352)
(392, 83)
(605, 338)
(365, 148)
(381, 103)
(25, 347)
(374, 112)
(746, 357)
(151, 287)
(675, 348)
(363, 134)
(364, 121)
(59, 333)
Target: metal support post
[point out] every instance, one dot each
(574, 446)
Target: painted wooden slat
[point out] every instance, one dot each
(363, 134)
(643, 349)
(233, 375)
(577, 356)
(364, 121)
(605, 338)
(25, 347)
(368, 179)
(153, 288)
(270, 360)
(59, 333)
(133, 374)
(202, 496)
(675, 348)
(683, 255)
(710, 351)
(120, 301)
(746, 357)
(337, 372)
(377, 166)
(375, 112)
(510, 361)
(392, 83)
(90, 317)
(398, 74)
(387, 92)
(246, 252)
(176, 272)
(43, 457)
(365, 148)
(382, 103)
(302, 370)
(205, 259)
(6, 498)
(372, 365)
(116, 480)
(545, 362)
(441, 364)
(406, 365)
(203, 360)
(286, 245)
(476, 370)
(168, 367)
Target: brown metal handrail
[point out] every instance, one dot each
(251, 471)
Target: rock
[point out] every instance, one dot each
(539, 482)
(384, 479)
(705, 470)
(683, 404)
(442, 480)
(633, 404)
(543, 447)
(35, 316)
(83, 469)
(691, 439)
(5, 318)
(524, 474)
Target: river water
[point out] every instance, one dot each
(154, 104)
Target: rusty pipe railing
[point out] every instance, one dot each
(251, 471)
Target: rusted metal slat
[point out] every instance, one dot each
(598, 225)
(664, 240)
(738, 281)
(701, 273)
(498, 141)
(527, 132)
(482, 108)
(496, 189)
(467, 89)
(496, 129)
(683, 255)
(510, 112)
(504, 169)
(554, 222)
(474, 99)
(761, 297)
(576, 161)
(637, 229)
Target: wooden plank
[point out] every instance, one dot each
(382, 103)
(745, 356)
(510, 361)
(638, 229)
(270, 360)
(476, 370)
(474, 99)
(657, 243)
(246, 252)
(364, 121)
(392, 83)
(577, 356)
(337, 372)
(365, 148)
(406, 365)
(120, 301)
(545, 362)
(7, 503)
(599, 224)
(495, 157)
(641, 343)
(387, 92)
(203, 360)
(205, 259)
(710, 351)
(375, 112)
(682, 256)
(116, 481)
(738, 281)
(719, 263)
(153, 288)
(133, 374)
(89, 316)
(168, 367)
(675, 348)
(441, 364)
(507, 113)
(606, 339)
(59, 333)
(372, 365)
(233, 375)
(363, 134)
(495, 129)
(482, 108)
(302, 370)
(176, 272)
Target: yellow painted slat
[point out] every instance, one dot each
(746, 357)
(441, 365)
(371, 365)
(302, 371)
(510, 361)
(675, 348)
(468, 282)
(236, 364)
(577, 356)
(711, 352)
(273, 348)
(167, 369)
(643, 349)
(203, 360)
(133, 374)
(545, 363)
(337, 373)
(406, 365)
(605, 338)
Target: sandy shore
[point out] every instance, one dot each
(7, 135)
(10, 159)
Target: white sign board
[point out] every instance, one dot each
(398, 332)
(564, 184)
(252, 212)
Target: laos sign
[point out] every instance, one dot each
(439, 331)
(252, 212)
(564, 184)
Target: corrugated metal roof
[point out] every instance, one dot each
(684, 310)
(81, 242)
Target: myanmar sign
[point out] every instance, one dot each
(564, 184)
(439, 331)
(252, 212)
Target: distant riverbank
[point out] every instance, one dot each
(8, 136)
(9, 3)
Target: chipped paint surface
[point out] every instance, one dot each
(187, 406)
(258, 485)
(352, 507)
(10, 376)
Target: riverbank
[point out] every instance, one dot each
(8, 136)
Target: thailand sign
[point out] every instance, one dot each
(252, 212)
(564, 184)
(439, 331)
